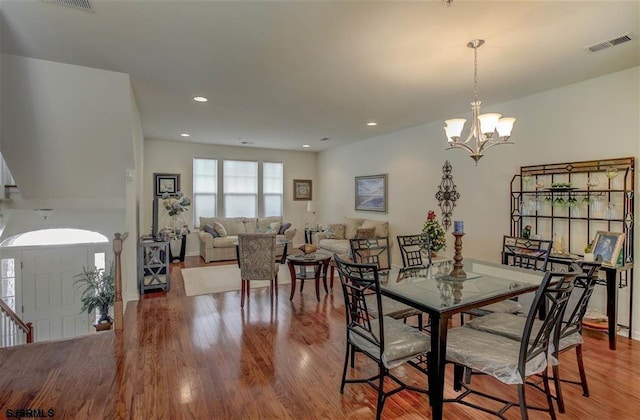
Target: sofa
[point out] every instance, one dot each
(223, 247)
(335, 237)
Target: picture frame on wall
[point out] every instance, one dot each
(302, 190)
(165, 183)
(609, 245)
(371, 193)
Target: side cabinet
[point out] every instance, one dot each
(153, 265)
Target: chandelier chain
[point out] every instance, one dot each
(475, 73)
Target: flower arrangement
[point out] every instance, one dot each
(175, 204)
(434, 230)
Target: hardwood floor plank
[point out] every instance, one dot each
(203, 357)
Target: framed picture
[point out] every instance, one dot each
(302, 189)
(371, 193)
(609, 245)
(165, 183)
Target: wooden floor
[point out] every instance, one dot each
(203, 357)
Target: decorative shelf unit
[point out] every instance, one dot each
(598, 196)
(576, 200)
(153, 265)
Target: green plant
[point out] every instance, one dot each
(434, 230)
(98, 290)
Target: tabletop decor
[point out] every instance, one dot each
(175, 205)
(447, 195)
(434, 230)
(98, 292)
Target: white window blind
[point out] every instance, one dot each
(272, 188)
(205, 189)
(240, 188)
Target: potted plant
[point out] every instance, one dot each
(98, 291)
(435, 232)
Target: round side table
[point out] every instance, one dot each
(318, 261)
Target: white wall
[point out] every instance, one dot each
(594, 119)
(177, 157)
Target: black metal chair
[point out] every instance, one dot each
(371, 251)
(513, 361)
(570, 331)
(526, 253)
(376, 251)
(412, 248)
(518, 252)
(385, 340)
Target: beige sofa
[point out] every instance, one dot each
(351, 225)
(224, 248)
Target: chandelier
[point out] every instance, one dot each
(487, 129)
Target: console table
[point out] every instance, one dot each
(153, 265)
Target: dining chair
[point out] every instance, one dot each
(570, 331)
(518, 252)
(386, 341)
(513, 361)
(376, 251)
(412, 248)
(257, 260)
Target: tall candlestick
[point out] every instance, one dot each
(457, 271)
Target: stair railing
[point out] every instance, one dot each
(118, 309)
(15, 330)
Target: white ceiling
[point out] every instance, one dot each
(283, 74)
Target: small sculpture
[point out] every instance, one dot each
(526, 232)
(308, 248)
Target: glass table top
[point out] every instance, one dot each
(439, 292)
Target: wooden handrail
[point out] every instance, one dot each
(26, 327)
(118, 309)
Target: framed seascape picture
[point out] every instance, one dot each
(609, 245)
(371, 193)
(302, 189)
(165, 183)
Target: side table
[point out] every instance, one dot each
(318, 261)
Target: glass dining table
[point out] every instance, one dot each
(442, 296)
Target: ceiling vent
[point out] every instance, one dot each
(76, 4)
(629, 36)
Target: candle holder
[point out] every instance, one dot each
(457, 271)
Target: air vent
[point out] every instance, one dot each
(325, 139)
(629, 36)
(76, 4)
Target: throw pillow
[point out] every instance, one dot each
(284, 228)
(274, 227)
(220, 230)
(211, 230)
(365, 233)
(335, 231)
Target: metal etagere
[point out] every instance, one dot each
(573, 201)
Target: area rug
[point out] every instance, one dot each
(222, 278)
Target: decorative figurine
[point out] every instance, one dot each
(526, 232)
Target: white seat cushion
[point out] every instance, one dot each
(489, 353)
(401, 342)
(505, 306)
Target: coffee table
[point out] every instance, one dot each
(318, 261)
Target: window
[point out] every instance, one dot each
(47, 237)
(272, 188)
(240, 188)
(98, 260)
(8, 282)
(205, 189)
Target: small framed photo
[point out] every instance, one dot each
(609, 245)
(371, 193)
(302, 189)
(166, 183)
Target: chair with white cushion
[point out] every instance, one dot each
(376, 251)
(386, 341)
(569, 334)
(512, 361)
(412, 249)
(257, 260)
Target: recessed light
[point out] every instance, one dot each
(200, 99)
(305, 146)
(372, 123)
(185, 135)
